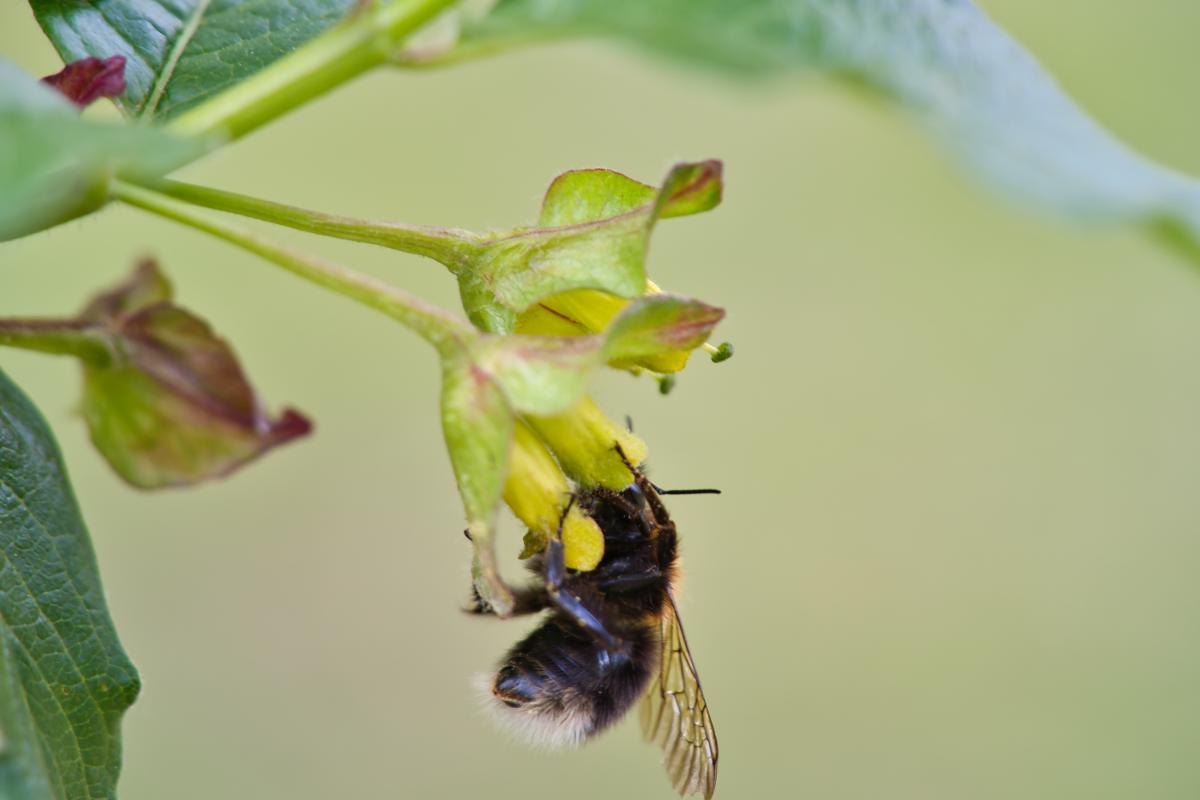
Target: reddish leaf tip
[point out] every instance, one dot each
(291, 425)
(706, 172)
(89, 79)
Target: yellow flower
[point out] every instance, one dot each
(537, 492)
(581, 312)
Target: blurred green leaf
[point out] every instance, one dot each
(165, 399)
(982, 95)
(64, 679)
(55, 166)
(593, 233)
(180, 52)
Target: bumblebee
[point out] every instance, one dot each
(612, 636)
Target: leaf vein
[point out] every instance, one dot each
(95, 632)
(57, 774)
(168, 69)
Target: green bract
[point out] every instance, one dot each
(64, 679)
(593, 233)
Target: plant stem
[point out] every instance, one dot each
(365, 40)
(447, 333)
(463, 52)
(453, 247)
(58, 336)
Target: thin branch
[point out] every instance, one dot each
(443, 330)
(449, 246)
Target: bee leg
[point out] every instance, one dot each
(573, 606)
(615, 498)
(526, 600)
(633, 581)
(555, 572)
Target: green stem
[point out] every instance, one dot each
(443, 330)
(452, 247)
(68, 337)
(365, 40)
(465, 51)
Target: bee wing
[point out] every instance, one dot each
(675, 715)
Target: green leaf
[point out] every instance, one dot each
(180, 52)
(974, 88)
(55, 166)
(593, 233)
(64, 679)
(165, 399)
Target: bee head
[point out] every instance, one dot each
(617, 514)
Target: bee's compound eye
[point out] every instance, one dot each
(513, 687)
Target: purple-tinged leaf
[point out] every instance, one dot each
(88, 79)
(165, 400)
(176, 408)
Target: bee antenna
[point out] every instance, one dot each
(562, 520)
(661, 490)
(629, 423)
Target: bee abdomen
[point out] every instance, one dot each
(558, 687)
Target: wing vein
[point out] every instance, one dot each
(685, 733)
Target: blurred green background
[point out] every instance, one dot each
(957, 548)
